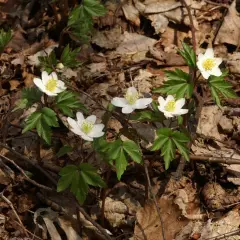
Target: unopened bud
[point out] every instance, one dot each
(60, 66)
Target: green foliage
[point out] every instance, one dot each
(188, 54)
(117, 152)
(64, 150)
(219, 87)
(5, 37)
(67, 102)
(29, 96)
(69, 57)
(80, 19)
(48, 62)
(148, 116)
(78, 178)
(178, 84)
(43, 121)
(168, 141)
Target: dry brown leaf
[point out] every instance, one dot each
(159, 22)
(233, 62)
(28, 79)
(14, 84)
(108, 39)
(131, 13)
(155, 6)
(230, 29)
(148, 219)
(18, 42)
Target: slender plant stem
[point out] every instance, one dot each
(155, 201)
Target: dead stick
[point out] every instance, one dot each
(224, 236)
(155, 201)
(25, 175)
(14, 211)
(34, 164)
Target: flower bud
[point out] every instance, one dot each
(60, 66)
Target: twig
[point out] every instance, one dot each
(155, 201)
(32, 163)
(224, 236)
(226, 160)
(194, 42)
(14, 211)
(25, 175)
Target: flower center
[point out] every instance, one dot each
(170, 106)
(208, 64)
(86, 127)
(51, 85)
(131, 97)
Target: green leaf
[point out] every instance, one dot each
(64, 150)
(42, 121)
(178, 83)
(5, 38)
(114, 149)
(79, 179)
(69, 57)
(146, 116)
(49, 62)
(94, 8)
(67, 102)
(167, 141)
(219, 87)
(121, 164)
(188, 54)
(133, 150)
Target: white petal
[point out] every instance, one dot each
(80, 118)
(51, 94)
(161, 101)
(180, 112)
(161, 108)
(205, 74)
(74, 127)
(91, 119)
(200, 57)
(199, 65)
(58, 90)
(209, 53)
(119, 102)
(127, 109)
(97, 131)
(142, 103)
(218, 61)
(179, 103)
(168, 114)
(45, 77)
(132, 90)
(38, 82)
(53, 75)
(86, 137)
(169, 98)
(216, 72)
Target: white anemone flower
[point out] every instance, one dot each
(50, 84)
(208, 64)
(170, 107)
(86, 128)
(131, 101)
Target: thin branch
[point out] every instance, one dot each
(32, 163)
(226, 235)
(14, 211)
(25, 175)
(155, 201)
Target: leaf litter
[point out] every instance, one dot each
(129, 54)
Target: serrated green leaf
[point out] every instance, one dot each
(20, 104)
(67, 102)
(219, 87)
(121, 164)
(178, 83)
(64, 150)
(146, 116)
(167, 141)
(114, 149)
(78, 179)
(94, 8)
(49, 62)
(42, 121)
(69, 57)
(133, 150)
(188, 54)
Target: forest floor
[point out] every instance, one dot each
(135, 42)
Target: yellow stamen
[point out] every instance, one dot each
(86, 127)
(208, 64)
(51, 85)
(170, 106)
(131, 97)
